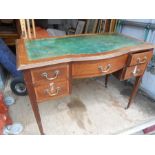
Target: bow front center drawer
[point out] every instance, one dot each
(98, 67)
(50, 73)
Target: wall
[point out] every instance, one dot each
(148, 81)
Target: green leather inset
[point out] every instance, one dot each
(91, 44)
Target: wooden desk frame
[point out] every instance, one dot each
(118, 62)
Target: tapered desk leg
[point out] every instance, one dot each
(31, 92)
(134, 91)
(106, 80)
(37, 115)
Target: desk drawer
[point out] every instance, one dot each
(139, 58)
(134, 71)
(51, 90)
(98, 67)
(50, 73)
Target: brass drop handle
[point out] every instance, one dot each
(139, 61)
(52, 91)
(106, 69)
(45, 74)
(136, 71)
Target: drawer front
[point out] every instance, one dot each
(51, 90)
(139, 58)
(134, 71)
(50, 73)
(98, 67)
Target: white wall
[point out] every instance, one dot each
(148, 81)
(133, 31)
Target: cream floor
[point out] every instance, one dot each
(91, 109)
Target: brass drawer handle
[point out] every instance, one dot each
(136, 71)
(107, 68)
(56, 73)
(139, 61)
(52, 91)
(53, 94)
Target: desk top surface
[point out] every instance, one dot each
(86, 44)
(49, 51)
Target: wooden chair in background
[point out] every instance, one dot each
(27, 31)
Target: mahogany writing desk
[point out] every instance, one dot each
(50, 64)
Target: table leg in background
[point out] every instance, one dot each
(106, 80)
